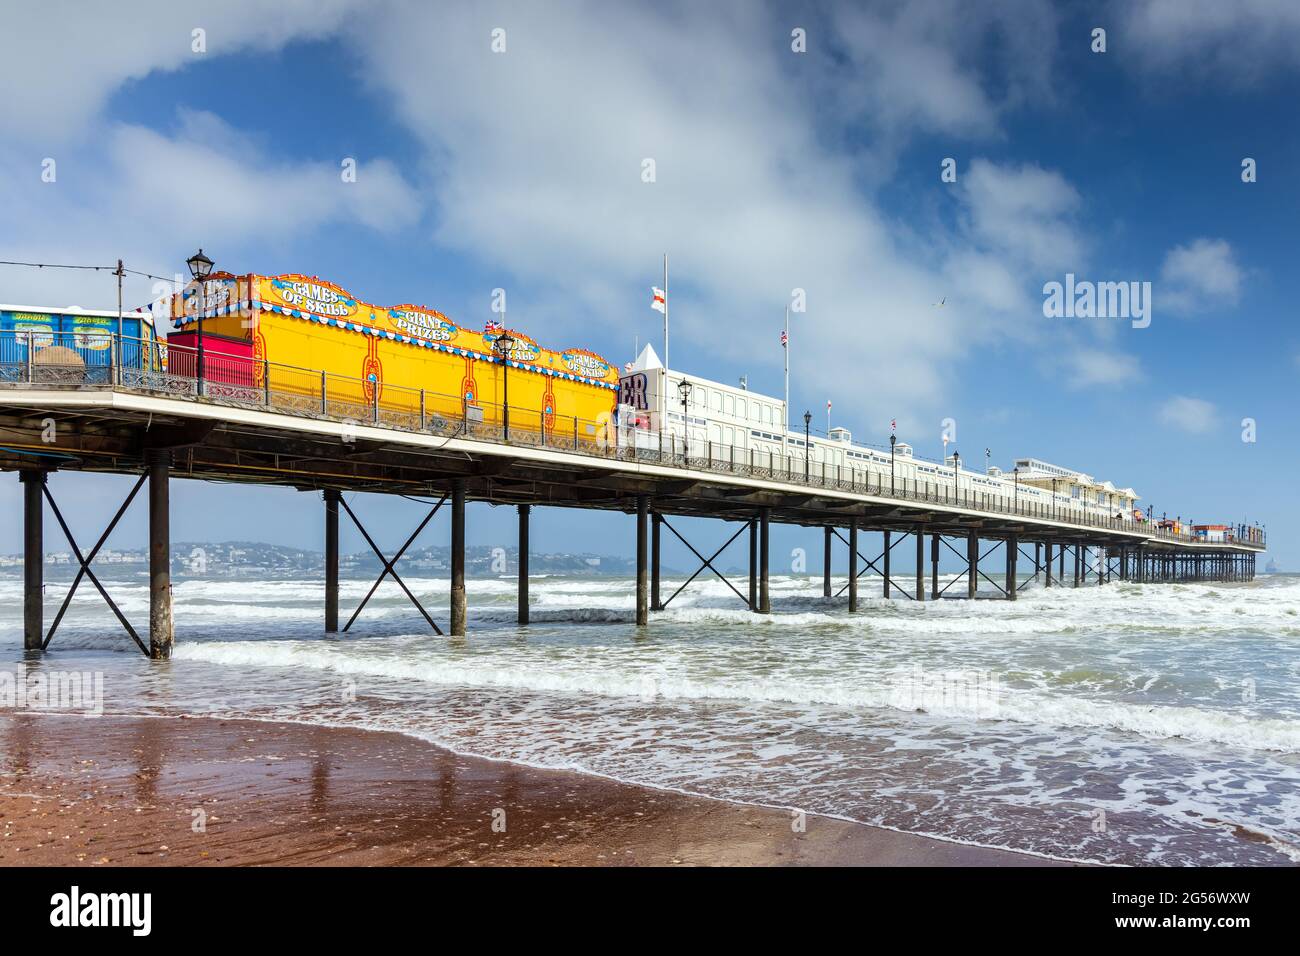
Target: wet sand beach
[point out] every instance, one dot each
(119, 791)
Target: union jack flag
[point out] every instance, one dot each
(493, 326)
(785, 339)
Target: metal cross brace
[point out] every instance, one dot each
(390, 566)
(705, 562)
(85, 570)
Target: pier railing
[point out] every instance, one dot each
(59, 361)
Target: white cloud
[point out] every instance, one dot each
(1245, 41)
(751, 199)
(1194, 415)
(917, 66)
(63, 58)
(1088, 367)
(1025, 212)
(1199, 275)
(203, 183)
(533, 161)
(206, 174)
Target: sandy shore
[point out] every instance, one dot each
(138, 792)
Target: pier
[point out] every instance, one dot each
(130, 418)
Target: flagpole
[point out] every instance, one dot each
(663, 391)
(785, 432)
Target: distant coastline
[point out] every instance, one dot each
(239, 558)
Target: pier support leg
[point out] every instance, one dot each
(1060, 576)
(331, 560)
(1038, 560)
(1013, 552)
(161, 634)
(656, 529)
(524, 512)
(1078, 565)
(1047, 566)
(33, 482)
(886, 565)
(853, 564)
(753, 564)
(920, 566)
(934, 567)
(642, 573)
(764, 551)
(972, 563)
(458, 603)
(826, 562)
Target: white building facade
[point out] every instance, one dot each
(730, 424)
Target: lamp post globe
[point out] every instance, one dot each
(200, 265)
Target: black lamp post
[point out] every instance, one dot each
(684, 390)
(893, 440)
(807, 446)
(1015, 494)
(956, 471)
(200, 268)
(1054, 481)
(504, 343)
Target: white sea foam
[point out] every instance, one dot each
(582, 674)
(1174, 707)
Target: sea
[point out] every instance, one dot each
(1130, 724)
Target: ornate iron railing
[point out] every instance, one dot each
(312, 393)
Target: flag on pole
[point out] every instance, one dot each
(893, 427)
(785, 339)
(659, 303)
(828, 406)
(493, 325)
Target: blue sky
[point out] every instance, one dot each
(775, 170)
